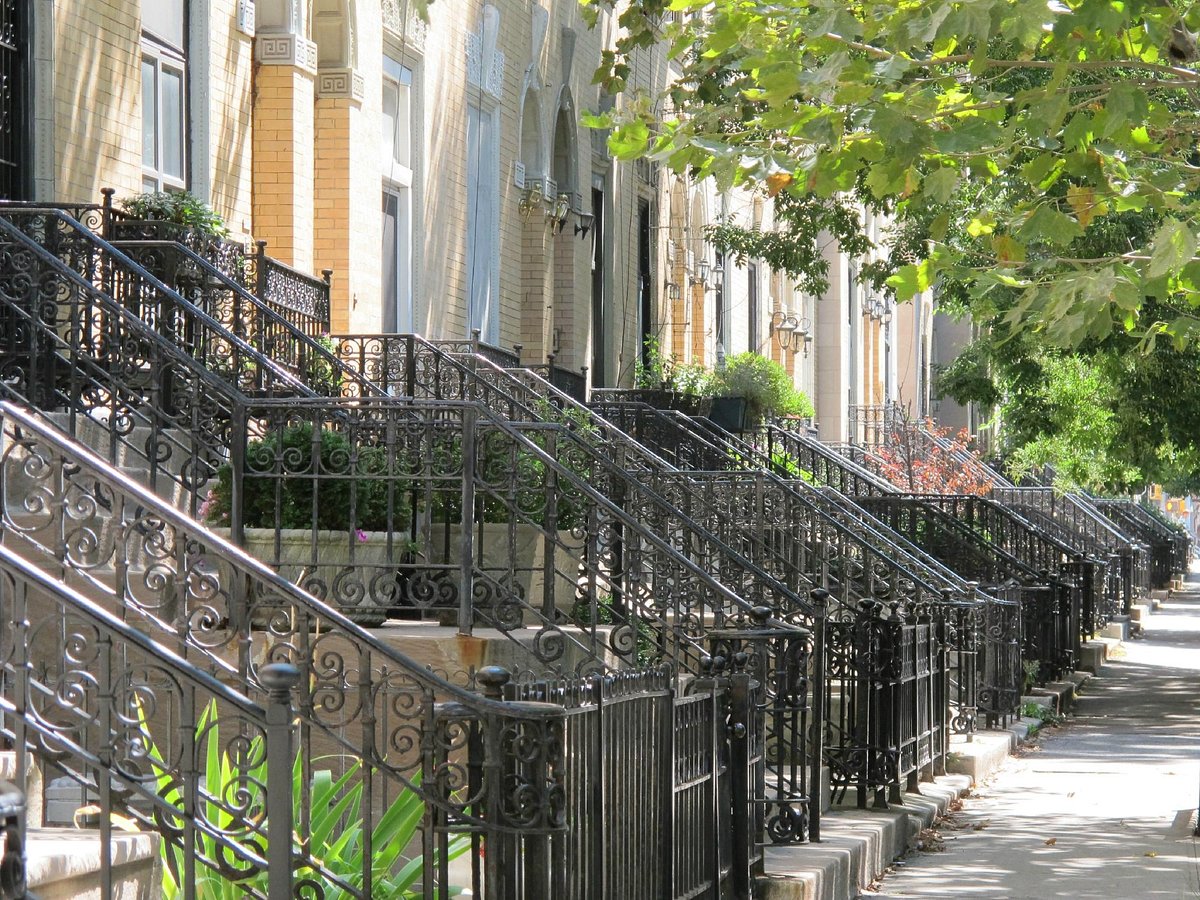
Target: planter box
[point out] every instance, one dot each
(367, 580)
(359, 577)
(729, 413)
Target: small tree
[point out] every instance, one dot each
(924, 458)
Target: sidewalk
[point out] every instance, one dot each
(1105, 806)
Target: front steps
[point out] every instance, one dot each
(64, 863)
(857, 846)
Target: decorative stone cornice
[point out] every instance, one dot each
(413, 31)
(340, 83)
(283, 49)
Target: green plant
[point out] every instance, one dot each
(320, 373)
(180, 207)
(285, 499)
(1032, 672)
(335, 829)
(652, 370)
(764, 383)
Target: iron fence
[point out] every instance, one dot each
(367, 717)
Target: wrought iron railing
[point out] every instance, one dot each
(1079, 522)
(114, 381)
(388, 730)
(793, 450)
(117, 712)
(1159, 540)
(272, 332)
(981, 637)
(303, 300)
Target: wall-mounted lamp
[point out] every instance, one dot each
(886, 318)
(701, 276)
(791, 332)
(559, 211)
(531, 199)
(583, 223)
(672, 290)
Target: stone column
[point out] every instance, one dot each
(283, 146)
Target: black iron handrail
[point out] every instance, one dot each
(248, 316)
(89, 703)
(358, 698)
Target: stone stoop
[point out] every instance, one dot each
(856, 845)
(1096, 652)
(64, 864)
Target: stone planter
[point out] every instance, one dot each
(511, 561)
(356, 573)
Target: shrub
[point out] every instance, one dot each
(180, 207)
(764, 383)
(294, 487)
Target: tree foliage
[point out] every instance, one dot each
(1061, 117)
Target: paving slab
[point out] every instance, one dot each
(1103, 806)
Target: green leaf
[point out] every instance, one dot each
(939, 184)
(910, 280)
(1049, 225)
(1174, 246)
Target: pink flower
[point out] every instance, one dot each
(207, 505)
(361, 535)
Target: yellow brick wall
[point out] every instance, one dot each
(97, 77)
(283, 163)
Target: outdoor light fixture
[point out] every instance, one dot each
(783, 326)
(583, 223)
(803, 332)
(531, 199)
(559, 211)
(792, 332)
(672, 290)
(701, 272)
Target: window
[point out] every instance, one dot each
(164, 128)
(396, 154)
(483, 189)
(752, 306)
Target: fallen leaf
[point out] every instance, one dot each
(1050, 842)
(979, 826)
(1149, 853)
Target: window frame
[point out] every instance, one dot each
(163, 57)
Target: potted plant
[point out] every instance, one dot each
(750, 388)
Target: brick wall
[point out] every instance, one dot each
(97, 77)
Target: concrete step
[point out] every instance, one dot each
(856, 846)
(64, 864)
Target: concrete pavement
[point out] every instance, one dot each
(1103, 806)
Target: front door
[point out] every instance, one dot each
(14, 100)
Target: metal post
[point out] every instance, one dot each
(739, 765)
(816, 742)
(466, 608)
(279, 679)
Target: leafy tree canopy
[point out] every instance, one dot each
(1059, 116)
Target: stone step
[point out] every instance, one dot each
(64, 864)
(856, 845)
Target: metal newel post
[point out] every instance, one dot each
(279, 679)
(466, 606)
(260, 270)
(500, 858)
(327, 310)
(816, 744)
(739, 766)
(106, 212)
